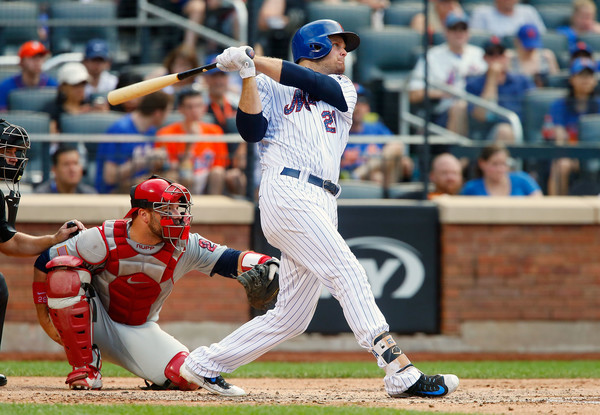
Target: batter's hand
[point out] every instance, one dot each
(237, 59)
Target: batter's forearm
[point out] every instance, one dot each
(269, 66)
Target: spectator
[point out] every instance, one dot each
(378, 162)
(67, 173)
(496, 179)
(72, 79)
(505, 17)
(180, 59)
(278, 20)
(200, 166)
(122, 164)
(445, 175)
(128, 78)
(223, 18)
(97, 62)
(583, 21)
(449, 63)
(565, 114)
(530, 58)
(32, 55)
(437, 16)
(580, 49)
(500, 86)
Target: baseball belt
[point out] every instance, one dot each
(328, 185)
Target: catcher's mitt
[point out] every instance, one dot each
(262, 284)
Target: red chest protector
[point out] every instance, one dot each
(133, 294)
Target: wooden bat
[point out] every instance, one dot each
(120, 95)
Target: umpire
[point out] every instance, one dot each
(14, 143)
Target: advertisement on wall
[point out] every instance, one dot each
(397, 244)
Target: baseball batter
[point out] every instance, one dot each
(14, 143)
(125, 269)
(301, 113)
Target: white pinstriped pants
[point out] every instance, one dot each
(300, 219)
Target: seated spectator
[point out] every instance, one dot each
(583, 21)
(378, 162)
(97, 62)
(200, 166)
(445, 175)
(496, 179)
(121, 165)
(127, 78)
(278, 20)
(530, 58)
(72, 79)
(498, 85)
(449, 63)
(438, 13)
(180, 59)
(223, 18)
(32, 55)
(565, 113)
(67, 173)
(505, 17)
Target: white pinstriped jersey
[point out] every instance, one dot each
(304, 133)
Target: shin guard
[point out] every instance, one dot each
(388, 354)
(172, 373)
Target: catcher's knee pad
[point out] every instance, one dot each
(69, 306)
(388, 354)
(172, 373)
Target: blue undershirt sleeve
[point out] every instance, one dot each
(252, 127)
(318, 85)
(227, 264)
(42, 260)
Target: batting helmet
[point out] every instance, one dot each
(14, 143)
(171, 200)
(311, 41)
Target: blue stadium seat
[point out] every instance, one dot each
(360, 189)
(555, 16)
(536, 105)
(31, 99)
(589, 128)
(353, 17)
(401, 14)
(11, 37)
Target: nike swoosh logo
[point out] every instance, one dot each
(131, 281)
(438, 392)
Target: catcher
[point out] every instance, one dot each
(102, 290)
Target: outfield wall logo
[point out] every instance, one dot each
(398, 258)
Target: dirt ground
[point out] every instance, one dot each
(489, 396)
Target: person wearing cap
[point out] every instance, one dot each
(32, 55)
(383, 163)
(500, 86)
(505, 17)
(583, 21)
(531, 58)
(97, 62)
(565, 112)
(449, 63)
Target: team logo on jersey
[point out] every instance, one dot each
(393, 267)
(301, 99)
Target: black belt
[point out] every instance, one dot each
(328, 185)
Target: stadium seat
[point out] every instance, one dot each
(378, 60)
(353, 17)
(7, 72)
(557, 43)
(538, 3)
(593, 41)
(589, 128)
(31, 99)
(536, 105)
(174, 116)
(11, 37)
(360, 189)
(401, 14)
(556, 15)
(559, 80)
(66, 38)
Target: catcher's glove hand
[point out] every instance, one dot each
(262, 284)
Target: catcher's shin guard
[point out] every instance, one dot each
(69, 306)
(172, 373)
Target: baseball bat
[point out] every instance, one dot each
(149, 86)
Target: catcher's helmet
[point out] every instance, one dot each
(311, 41)
(171, 200)
(14, 143)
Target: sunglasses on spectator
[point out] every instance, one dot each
(460, 27)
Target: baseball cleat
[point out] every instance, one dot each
(430, 387)
(85, 378)
(3, 380)
(219, 386)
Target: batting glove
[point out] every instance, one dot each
(237, 59)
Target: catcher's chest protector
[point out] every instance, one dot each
(133, 285)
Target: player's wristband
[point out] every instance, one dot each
(250, 259)
(39, 293)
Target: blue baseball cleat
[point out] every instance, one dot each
(430, 387)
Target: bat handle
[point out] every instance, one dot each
(250, 52)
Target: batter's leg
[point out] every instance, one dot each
(3, 304)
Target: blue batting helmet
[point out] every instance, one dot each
(311, 41)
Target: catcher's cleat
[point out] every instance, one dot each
(3, 380)
(430, 387)
(85, 378)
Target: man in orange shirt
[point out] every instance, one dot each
(200, 166)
